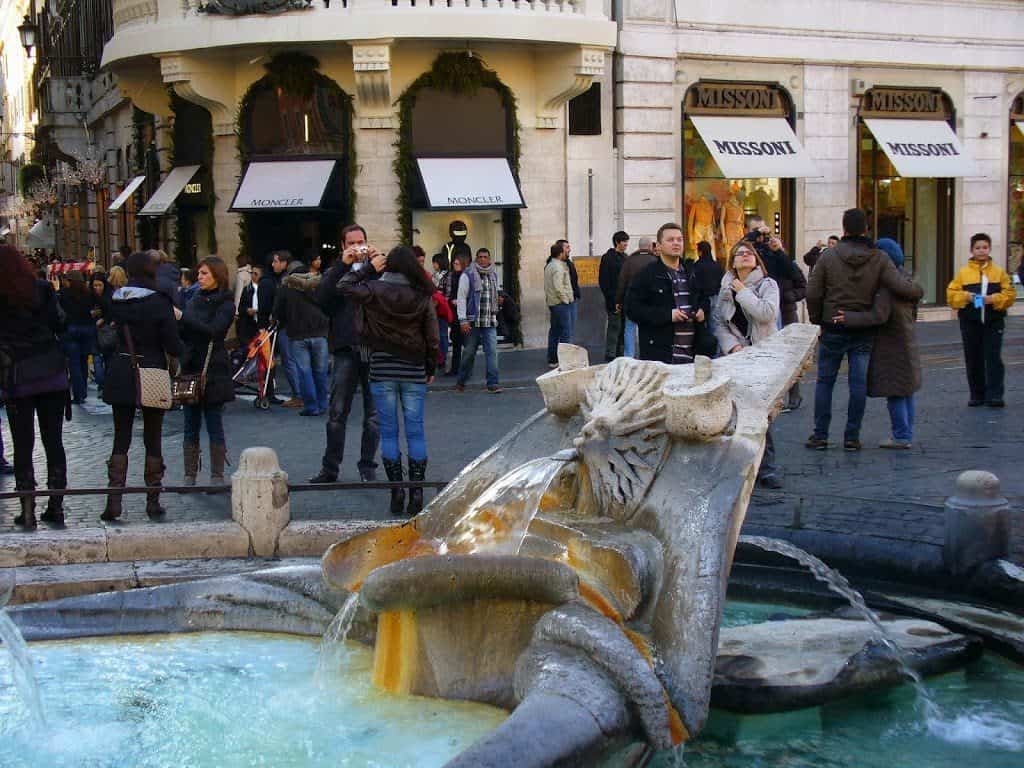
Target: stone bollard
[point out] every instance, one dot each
(259, 499)
(977, 522)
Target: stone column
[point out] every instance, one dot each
(259, 499)
(983, 133)
(977, 522)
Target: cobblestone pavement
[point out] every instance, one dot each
(889, 500)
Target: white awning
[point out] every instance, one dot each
(169, 190)
(283, 185)
(922, 148)
(755, 147)
(5, 231)
(126, 193)
(1020, 125)
(466, 183)
(41, 235)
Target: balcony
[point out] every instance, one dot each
(155, 27)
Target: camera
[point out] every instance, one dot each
(363, 249)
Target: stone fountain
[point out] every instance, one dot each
(593, 610)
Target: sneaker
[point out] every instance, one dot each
(975, 403)
(271, 400)
(494, 390)
(323, 477)
(995, 404)
(460, 387)
(294, 402)
(817, 443)
(552, 365)
(899, 445)
(851, 445)
(770, 482)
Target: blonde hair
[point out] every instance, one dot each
(750, 247)
(117, 278)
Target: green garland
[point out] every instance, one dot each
(209, 196)
(457, 73)
(295, 73)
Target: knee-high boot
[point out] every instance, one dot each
(154, 475)
(56, 479)
(393, 469)
(191, 451)
(117, 473)
(218, 455)
(417, 471)
(26, 481)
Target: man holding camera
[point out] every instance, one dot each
(351, 364)
(789, 277)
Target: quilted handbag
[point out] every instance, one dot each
(188, 388)
(152, 385)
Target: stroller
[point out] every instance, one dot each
(257, 368)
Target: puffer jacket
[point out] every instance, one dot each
(296, 308)
(397, 319)
(968, 281)
(759, 302)
(207, 317)
(28, 335)
(848, 276)
(149, 316)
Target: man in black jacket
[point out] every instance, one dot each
(667, 307)
(351, 364)
(608, 280)
(299, 314)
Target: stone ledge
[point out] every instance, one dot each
(311, 538)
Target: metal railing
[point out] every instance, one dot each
(217, 489)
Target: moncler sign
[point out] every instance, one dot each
(282, 185)
(454, 183)
(457, 200)
(278, 202)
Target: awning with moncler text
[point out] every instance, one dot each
(127, 192)
(283, 185)
(922, 148)
(755, 147)
(467, 183)
(168, 190)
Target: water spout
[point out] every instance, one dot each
(24, 677)
(332, 644)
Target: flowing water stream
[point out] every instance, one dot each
(333, 648)
(24, 676)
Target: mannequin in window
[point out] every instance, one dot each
(457, 246)
(731, 218)
(701, 219)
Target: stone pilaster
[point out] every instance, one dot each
(829, 136)
(983, 132)
(376, 185)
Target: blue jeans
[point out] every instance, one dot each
(388, 397)
(78, 343)
(99, 368)
(832, 347)
(629, 340)
(489, 338)
(310, 358)
(560, 330)
(291, 372)
(442, 335)
(214, 415)
(575, 316)
(901, 415)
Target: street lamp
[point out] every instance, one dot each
(27, 32)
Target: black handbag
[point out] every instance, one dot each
(106, 338)
(189, 388)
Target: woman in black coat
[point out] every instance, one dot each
(33, 380)
(204, 324)
(146, 324)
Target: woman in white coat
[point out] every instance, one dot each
(747, 312)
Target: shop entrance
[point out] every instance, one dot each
(485, 230)
(740, 157)
(904, 135)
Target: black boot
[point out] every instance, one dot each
(117, 473)
(57, 479)
(27, 518)
(191, 455)
(154, 476)
(394, 473)
(417, 471)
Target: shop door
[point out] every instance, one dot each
(485, 230)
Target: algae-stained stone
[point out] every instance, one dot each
(782, 665)
(175, 541)
(51, 547)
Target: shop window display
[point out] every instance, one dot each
(715, 207)
(1015, 199)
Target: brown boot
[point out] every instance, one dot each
(154, 475)
(191, 452)
(218, 455)
(57, 479)
(117, 473)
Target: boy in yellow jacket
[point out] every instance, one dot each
(982, 292)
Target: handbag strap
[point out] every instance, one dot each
(206, 363)
(131, 346)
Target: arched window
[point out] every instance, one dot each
(279, 121)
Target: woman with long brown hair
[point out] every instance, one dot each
(204, 324)
(33, 380)
(147, 334)
(400, 329)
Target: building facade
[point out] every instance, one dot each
(240, 127)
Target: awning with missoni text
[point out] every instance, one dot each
(922, 148)
(755, 147)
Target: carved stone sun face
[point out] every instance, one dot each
(623, 440)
